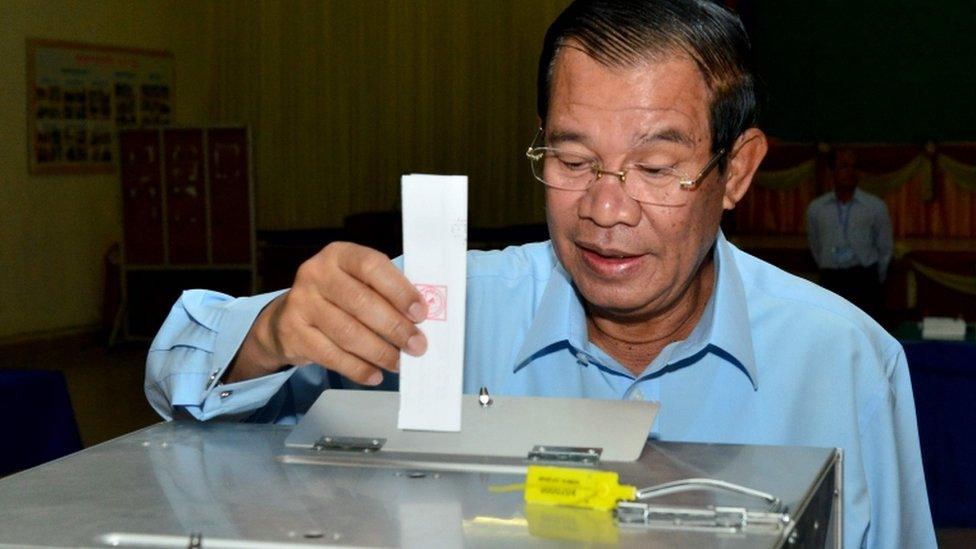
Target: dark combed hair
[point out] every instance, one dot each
(626, 33)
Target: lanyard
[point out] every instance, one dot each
(844, 215)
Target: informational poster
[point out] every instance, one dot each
(78, 95)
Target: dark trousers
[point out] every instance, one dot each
(859, 285)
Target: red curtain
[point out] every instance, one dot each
(950, 211)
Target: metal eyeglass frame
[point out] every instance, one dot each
(535, 153)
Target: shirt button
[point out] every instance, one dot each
(582, 359)
(637, 395)
(225, 394)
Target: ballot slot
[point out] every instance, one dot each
(496, 430)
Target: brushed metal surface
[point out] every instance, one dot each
(238, 485)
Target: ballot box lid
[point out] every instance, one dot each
(499, 426)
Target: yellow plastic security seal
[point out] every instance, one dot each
(600, 490)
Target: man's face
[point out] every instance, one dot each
(845, 178)
(631, 259)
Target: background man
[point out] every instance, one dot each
(646, 114)
(850, 237)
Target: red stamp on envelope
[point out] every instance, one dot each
(436, 298)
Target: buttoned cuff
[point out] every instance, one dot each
(211, 398)
(235, 400)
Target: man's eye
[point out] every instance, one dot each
(572, 163)
(655, 171)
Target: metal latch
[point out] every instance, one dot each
(349, 444)
(771, 519)
(565, 454)
(710, 519)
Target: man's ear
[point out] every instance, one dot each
(747, 153)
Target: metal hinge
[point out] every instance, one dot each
(349, 444)
(565, 454)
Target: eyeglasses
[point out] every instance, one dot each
(644, 182)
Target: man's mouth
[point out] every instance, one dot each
(608, 262)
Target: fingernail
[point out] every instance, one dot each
(375, 378)
(417, 312)
(416, 345)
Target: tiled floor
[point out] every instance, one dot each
(108, 399)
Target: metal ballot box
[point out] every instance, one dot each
(228, 485)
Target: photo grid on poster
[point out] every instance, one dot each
(79, 95)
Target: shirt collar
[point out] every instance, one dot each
(724, 328)
(729, 329)
(858, 196)
(559, 319)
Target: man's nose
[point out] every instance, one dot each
(607, 204)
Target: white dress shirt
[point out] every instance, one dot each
(854, 234)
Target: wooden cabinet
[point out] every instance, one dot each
(188, 219)
(142, 196)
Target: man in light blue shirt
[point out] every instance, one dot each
(850, 237)
(646, 114)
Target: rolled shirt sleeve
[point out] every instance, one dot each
(197, 342)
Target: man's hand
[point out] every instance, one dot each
(349, 309)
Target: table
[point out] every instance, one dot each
(39, 422)
(944, 384)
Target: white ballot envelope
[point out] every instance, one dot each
(435, 242)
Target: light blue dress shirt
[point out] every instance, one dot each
(773, 360)
(856, 234)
